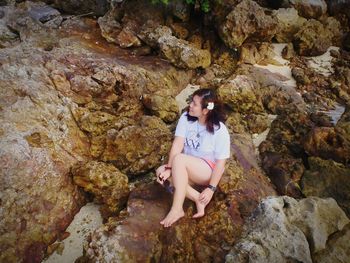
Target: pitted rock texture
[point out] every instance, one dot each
(247, 20)
(283, 229)
(105, 182)
(327, 178)
(182, 54)
(123, 147)
(138, 236)
(59, 99)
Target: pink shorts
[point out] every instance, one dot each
(210, 163)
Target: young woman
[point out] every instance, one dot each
(197, 156)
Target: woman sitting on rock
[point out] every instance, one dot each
(198, 155)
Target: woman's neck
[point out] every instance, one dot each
(202, 120)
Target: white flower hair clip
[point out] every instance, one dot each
(210, 105)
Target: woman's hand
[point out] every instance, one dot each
(162, 174)
(206, 196)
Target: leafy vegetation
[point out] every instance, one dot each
(205, 6)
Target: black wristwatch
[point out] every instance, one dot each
(211, 187)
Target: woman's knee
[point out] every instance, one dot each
(179, 159)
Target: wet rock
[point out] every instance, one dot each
(283, 229)
(289, 23)
(327, 178)
(247, 21)
(182, 54)
(310, 9)
(108, 185)
(122, 147)
(314, 38)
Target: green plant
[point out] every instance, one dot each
(205, 6)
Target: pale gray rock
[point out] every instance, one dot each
(283, 229)
(289, 23)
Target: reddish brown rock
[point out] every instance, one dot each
(327, 143)
(138, 236)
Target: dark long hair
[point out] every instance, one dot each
(215, 115)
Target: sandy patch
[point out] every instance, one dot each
(283, 68)
(322, 64)
(87, 220)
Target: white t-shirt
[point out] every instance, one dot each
(201, 143)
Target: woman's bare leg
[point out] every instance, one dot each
(185, 168)
(193, 195)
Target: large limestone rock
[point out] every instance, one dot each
(314, 38)
(283, 229)
(282, 151)
(289, 23)
(138, 236)
(239, 94)
(180, 53)
(58, 101)
(39, 141)
(247, 21)
(123, 147)
(105, 182)
(326, 178)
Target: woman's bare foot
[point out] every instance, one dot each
(172, 217)
(200, 210)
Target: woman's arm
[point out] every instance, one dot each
(176, 148)
(216, 175)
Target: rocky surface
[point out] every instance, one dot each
(326, 178)
(71, 98)
(108, 185)
(247, 20)
(283, 229)
(59, 99)
(138, 236)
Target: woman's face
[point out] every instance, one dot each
(196, 107)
